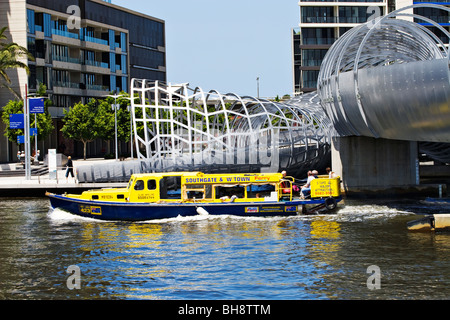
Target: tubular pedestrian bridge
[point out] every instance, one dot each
(388, 78)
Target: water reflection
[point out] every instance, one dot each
(318, 257)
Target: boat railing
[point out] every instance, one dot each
(286, 188)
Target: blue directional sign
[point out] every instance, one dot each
(36, 105)
(20, 139)
(16, 121)
(33, 132)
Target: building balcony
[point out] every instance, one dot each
(301, 2)
(444, 19)
(66, 59)
(97, 64)
(82, 86)
(75, 39)
(66, 34)
(79, 89)
(318, 41)
(94, 40)
(319, 19)
(64, 84)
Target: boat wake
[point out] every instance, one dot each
(346, 213)
(61, 216)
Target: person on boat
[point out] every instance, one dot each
(69, 169)
(228, 199)
(330, 173)
(306, 188)
(284, 183)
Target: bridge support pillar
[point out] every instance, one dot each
(377, 167)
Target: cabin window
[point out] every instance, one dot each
(195, 194)
(120, 196)
(95, 197)
(229, 191)
(259, 191)
(199, 192)
(170, 187)
(139, 185)
(151, 184)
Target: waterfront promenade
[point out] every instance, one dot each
(38, 185)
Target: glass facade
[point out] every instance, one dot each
(354, 14)
(442, 17)
(320, 26)
(318, 15)
(94, 60)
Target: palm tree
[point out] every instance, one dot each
(10, 54)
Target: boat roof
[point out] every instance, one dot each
(165, 174)
(186, 176)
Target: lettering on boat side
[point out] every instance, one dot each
(290, 209)
(251, 209)
(222, 179)
(94, 210)
(238, 309)
(107, 197)
(146, 196)
(272, 209)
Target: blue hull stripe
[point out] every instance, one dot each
(149, 211)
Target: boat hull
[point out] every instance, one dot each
(151, 211)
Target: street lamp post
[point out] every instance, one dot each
(130, 110)
(115, 119)
(257, 85)
(131, 131)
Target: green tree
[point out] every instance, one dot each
(123, 118)
(44, 121)
(13, 107)
(86, 123)
(11, 55)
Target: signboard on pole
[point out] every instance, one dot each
(20, 139)
(33, 132)
(37, 105)
(16, 121)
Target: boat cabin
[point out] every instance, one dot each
(197, 187)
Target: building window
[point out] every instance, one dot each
(318, 36)
(313, 57)
(309, 78)
(440, 16)
(318, 15)
(355, 14)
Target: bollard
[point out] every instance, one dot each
(430, 223)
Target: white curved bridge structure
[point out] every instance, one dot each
(180, 128)
(388, 78)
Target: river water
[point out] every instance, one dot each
(304, 257)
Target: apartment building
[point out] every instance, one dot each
(322, 22)
(83, 49)
(440, 16)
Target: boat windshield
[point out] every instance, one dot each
(130, 183)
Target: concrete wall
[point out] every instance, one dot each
(13, 14)
(374, 164)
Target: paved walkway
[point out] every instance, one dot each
(44, 181)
